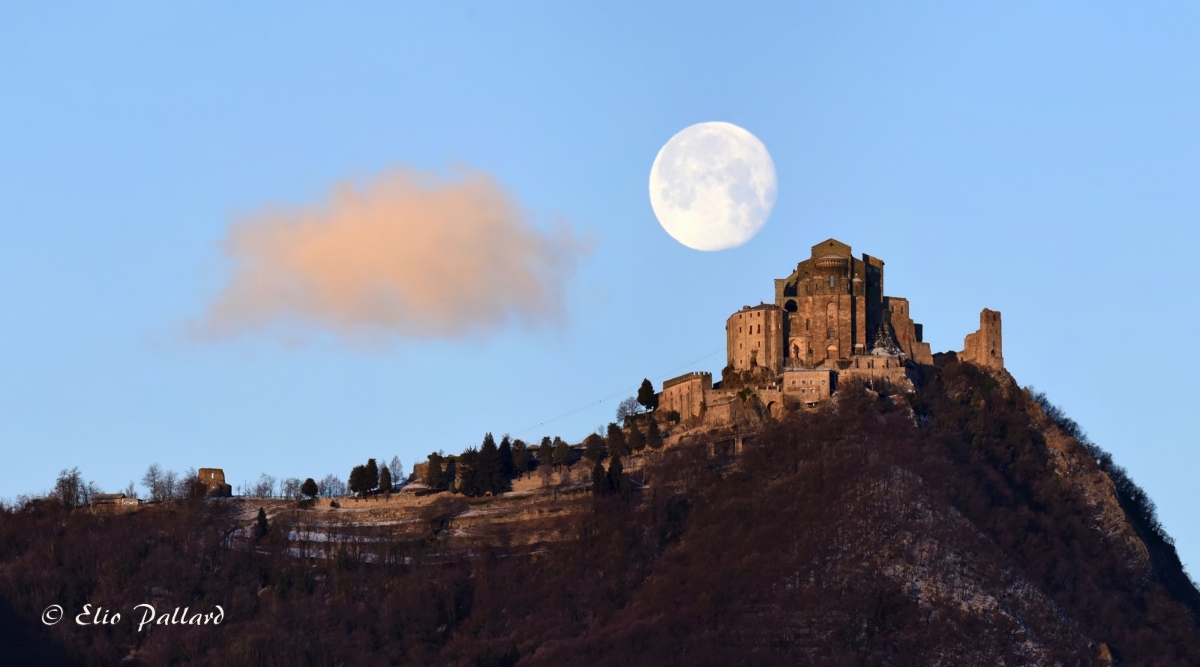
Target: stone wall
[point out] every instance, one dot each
(877, 367)
(685, 394)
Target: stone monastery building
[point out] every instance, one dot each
(830, 321)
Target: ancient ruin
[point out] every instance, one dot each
(830, 322)
(213, 480)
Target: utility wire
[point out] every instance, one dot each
(620, 393)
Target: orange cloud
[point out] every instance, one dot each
(406, 255)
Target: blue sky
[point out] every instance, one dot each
(1038, 160)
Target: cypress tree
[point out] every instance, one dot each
(260, 523)
(653, 436)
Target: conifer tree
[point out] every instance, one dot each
(433, 473)
(599, 480)
(653, 435)
(545, 451)
(310, 488)
(616, 441)
(385, 480)
(508, 466)
(636, 439)
(372, 475)
(260, 523)
(646, 395)
(593, 448)
(358, 480)
(520, 454)
(468, 483)
(562, 452)
(491, 474)
(617, 481)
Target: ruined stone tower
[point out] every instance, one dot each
(985, 346)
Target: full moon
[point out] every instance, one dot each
(712, 186)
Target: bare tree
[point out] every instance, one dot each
(290, 488)
(170, 484)
(130, 491)
(152, 480)
(628, 408)
(331, 486)
(265, 488)
(396, 469)
(89, 491)
(69, 488)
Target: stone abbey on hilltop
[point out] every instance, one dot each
(830, 321)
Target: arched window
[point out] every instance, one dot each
(830, 282)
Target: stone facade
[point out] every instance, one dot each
(830, 322)
(985, 346)
(214, 480)
(806, 387)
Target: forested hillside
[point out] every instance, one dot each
(968, 523)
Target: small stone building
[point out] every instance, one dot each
(213, 480)
(113, 502)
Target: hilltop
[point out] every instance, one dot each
(964, 523)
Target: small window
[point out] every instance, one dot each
(830, 282)
(760, 331)
(806, 323)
